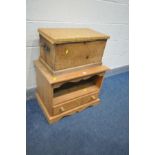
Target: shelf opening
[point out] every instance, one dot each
(70, 87)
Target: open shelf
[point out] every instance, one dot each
(70, 90)
(74, 86)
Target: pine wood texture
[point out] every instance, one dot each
(65, 35)
(76, 94)
(55, 118)
(60, 47)
(69, 72)
(65, 106)
(58, 100)
(69, 76)
(84, 53)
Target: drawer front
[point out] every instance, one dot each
(78, 54)
(74, 103)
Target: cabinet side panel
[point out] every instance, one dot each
(45, 91)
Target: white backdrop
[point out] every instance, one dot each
(107, 16)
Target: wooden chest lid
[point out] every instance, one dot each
(64, 35)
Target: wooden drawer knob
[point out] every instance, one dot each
(93, 97)
(62, 109)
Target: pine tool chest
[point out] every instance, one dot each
(69, 71)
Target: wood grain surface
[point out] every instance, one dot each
(63, 35)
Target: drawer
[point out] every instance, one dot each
(58, 109)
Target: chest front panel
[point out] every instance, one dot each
(78, 54)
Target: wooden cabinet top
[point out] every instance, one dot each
(64, 35)
(71, 75)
